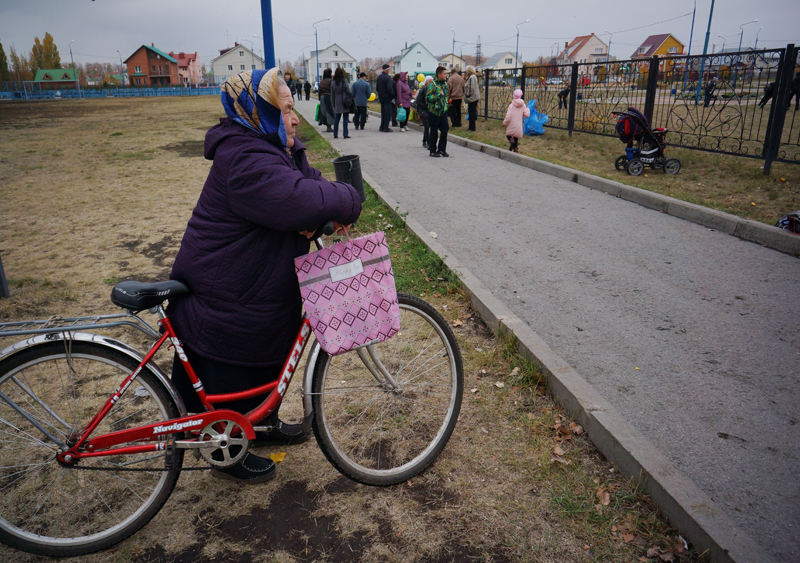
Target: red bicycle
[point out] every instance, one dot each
(93, 434)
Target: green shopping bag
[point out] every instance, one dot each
(316, 114)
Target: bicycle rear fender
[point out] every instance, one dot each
(103, 341)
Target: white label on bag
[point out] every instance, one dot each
(345, 271)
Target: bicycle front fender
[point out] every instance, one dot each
(104, 341)
(308, 380)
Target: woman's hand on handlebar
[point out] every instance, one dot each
(338, 229)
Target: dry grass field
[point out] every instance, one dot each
(98, 191)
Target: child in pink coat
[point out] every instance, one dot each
(516, 114)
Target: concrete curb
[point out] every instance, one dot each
(687, 507)
(753, 231)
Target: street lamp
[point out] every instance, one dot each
(121, 70)
(608, 55)
(304, 61)
(516, 52)
(263, 62)
(741, 36)
(316, 43)
(453, 51)
(553, 46)
(75, 74)
(759, 31)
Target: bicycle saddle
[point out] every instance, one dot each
(138, 296)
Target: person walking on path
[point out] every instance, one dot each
(472, 95)
(515, 116)
(563, 98)
(769, 91)
(325, 106)
(361, 92)
(422, 110)
(307, 88)
(436, 97)
(709, 89)
(298, 89)
(341, 100)
(795, 91)
(385, 89)
(403, 98)
(455, 86)
(287, 77)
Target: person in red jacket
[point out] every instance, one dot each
(260, 203)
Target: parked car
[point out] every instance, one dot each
(555, 80)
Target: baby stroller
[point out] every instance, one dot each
(645, 145)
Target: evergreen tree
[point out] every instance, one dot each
(5, 75)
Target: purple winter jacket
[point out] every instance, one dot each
(403, 91)
(237, 255)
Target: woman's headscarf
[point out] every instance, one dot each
(251, 99)
(428, 80)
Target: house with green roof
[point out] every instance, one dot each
(54, 78)
(148, 67)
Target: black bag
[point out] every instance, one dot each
(348, 102)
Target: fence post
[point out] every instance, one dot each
(573, 98)
(488, 74)
(3, 283)
(652, 87)
(522, 82)
(777, 112)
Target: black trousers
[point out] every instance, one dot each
(308, 95)
(426, 128)
(455, 113)
(394, 114)
(218, 377)
(439, 128)
(472, 110)
(360, 116)
(386, 115)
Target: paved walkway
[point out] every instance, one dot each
(691, 334)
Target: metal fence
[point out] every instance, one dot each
(28, 91)
(746, 114)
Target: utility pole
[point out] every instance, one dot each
(703, 61)
(269, 39)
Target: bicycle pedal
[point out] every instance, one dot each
(169, 455)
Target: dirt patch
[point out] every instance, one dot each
(186, 148)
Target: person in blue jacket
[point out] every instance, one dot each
(361, 93)
(259, 206)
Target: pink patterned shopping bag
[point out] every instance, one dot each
(349, 293)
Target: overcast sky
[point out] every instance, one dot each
(372, 29)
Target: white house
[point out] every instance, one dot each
(416, 59)
(584, 49)
(332, 57)
(501, 62)
(450, 60)
(232, 61)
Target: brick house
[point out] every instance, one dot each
(189, 70)
(149, 66)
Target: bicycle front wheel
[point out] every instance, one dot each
(382, 414)
(55, 510)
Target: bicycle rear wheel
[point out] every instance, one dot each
(380, 433)
(50, 509)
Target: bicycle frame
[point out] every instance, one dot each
(159, 433)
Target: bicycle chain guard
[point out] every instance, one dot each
(226, 443)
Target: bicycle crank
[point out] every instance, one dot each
(222, 443)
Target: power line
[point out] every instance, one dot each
(652, 24)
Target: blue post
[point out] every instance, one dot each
(703, 60)
(689, 53)
(269, 39)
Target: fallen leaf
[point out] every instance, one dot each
(585, 546)
(641, 541)
(556, 459)
(564, 430)
(499, 384)
(638, 369)
(667, 556)
(678, 548)
(474, 390)
(434, 235)
(457, 322)
(558, 451)
(628, 538)
(614, 528)
(278, 457)
(652, 552)
(606, 498)
(514, 372)
(751, 203)
(576, 428)
(484, 430)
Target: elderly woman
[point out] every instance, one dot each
(258, 206)
(472, 95)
